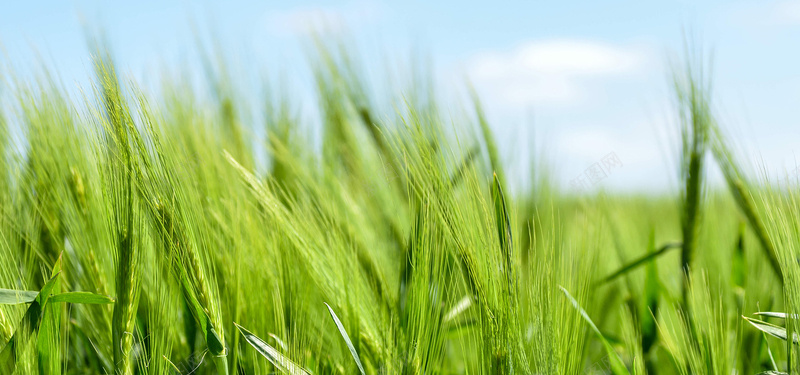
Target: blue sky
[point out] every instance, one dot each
(585, 79)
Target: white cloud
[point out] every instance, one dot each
(307, 19)
(552, 71)
(762, 16)
(576, 57)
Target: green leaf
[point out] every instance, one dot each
(30, 322)
(769, 352)
(643, 260)
(48, 287)
(82, 297)
(16, 297)
(617, 366)
(271, 354)
(346, 339)
(771, 329)
(774, 314)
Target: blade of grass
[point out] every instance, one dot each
(81, 297)
(774, 314)
(16, 297)
(346, 338)
(769, 352)
(617, 366)
(638, 262)
(771, 329)
(271, 354)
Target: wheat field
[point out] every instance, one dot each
(156, 233)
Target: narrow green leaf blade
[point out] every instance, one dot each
(771, 314)
(16, 297)
(47, 289)
(617, 366)
(771, 329)
(643, 260)
(270, 353)
(82, 297)
(346, 339)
